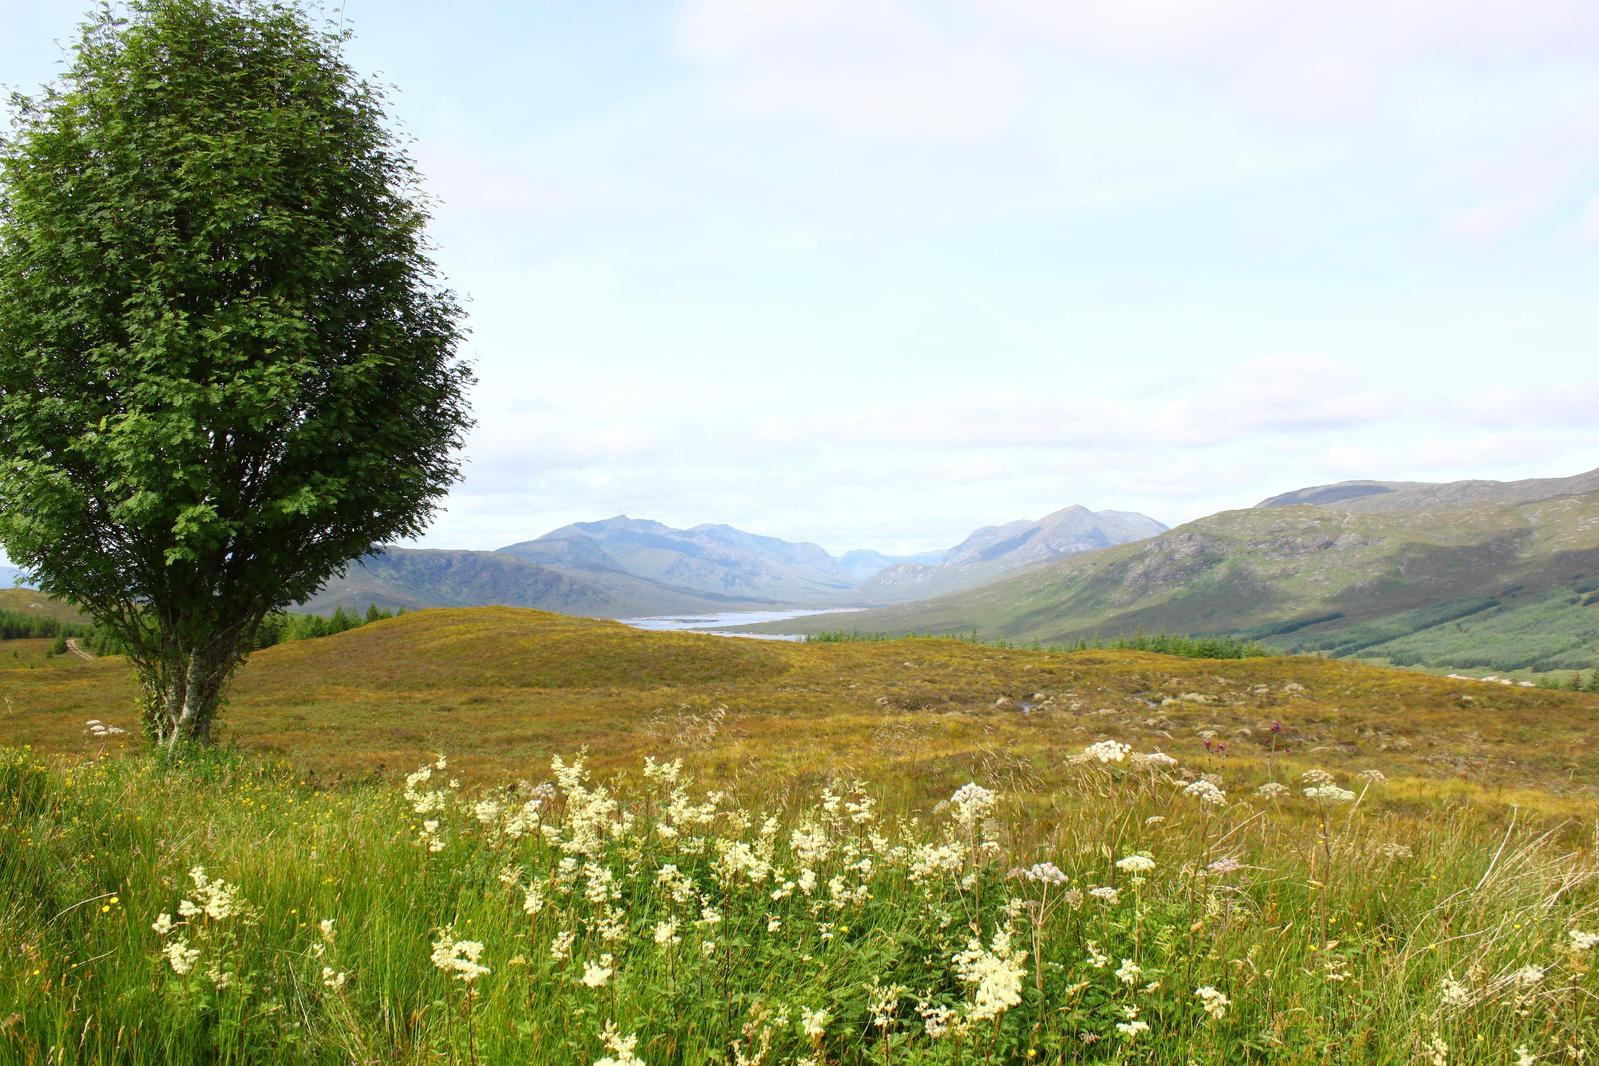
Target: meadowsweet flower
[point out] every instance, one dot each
(1131, 1029)
(996, 971)
(1528, 976)
(620, 1048)
(325, 929)
(1437, 1051)
(938, 1022)
(1214, 1002)
(218, 899)
(1205, 792)
(1455, 994)
(1097, 958)
(1106, 751)
(1129, 972)
(883, 1002)
(333, 982)
(163, 925)
(532, 901)
(1581, 941)
(1106, 894)
(561, 946)
(1136, 864)
(1394, 850)
(180, 956)
(1525, 1057)
(459, 957)
(971, 803)
(188, 909)
(813, 1023)
(666, 932)
(595, 974)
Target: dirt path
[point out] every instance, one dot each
(75, 646)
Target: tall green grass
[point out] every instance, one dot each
(756, 923)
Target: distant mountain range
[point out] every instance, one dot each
(996, 550)
(626, 567)
(1499, 575)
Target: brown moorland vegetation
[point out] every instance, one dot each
(501, 689)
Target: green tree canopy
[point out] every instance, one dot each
(227, 363)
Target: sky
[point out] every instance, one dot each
(872, 274)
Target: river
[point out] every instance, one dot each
(716, 624)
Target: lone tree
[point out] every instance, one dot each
(227, 364)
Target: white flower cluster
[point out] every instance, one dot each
(96, 728)
(1214, 1002)
(1137, 865)
(1046, 872)
(620, 1048)
(1106, 751)
(218, 899)
(1331, 795)
(997, 972)
(972, 803)
(458, 957)
(1206, 793)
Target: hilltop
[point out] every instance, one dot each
(1387, 496)
(1486, 585)
(993, 551)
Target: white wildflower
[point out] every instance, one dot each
(813, 1023)
(1214, 1002)
(180, 955)
(1331, 795)
(1136, 864)
(1205, 792)
(1106, 751)
(620, 1048)
(971, 803)
(459, 957)
(595, 974)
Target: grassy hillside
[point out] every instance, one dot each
(1388, 584)
(827, 861)
(34, 602)
(506, 688)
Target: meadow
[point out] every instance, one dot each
(501, 836)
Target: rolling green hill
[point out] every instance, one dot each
(1494, 586)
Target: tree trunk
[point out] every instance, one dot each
(184, 692)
